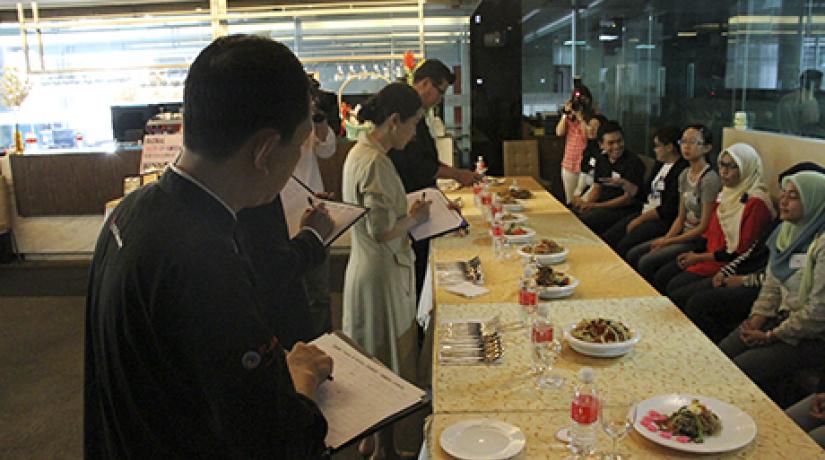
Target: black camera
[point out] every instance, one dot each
(576, 105)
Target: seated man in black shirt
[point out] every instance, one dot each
(607, 202)
(179, 360)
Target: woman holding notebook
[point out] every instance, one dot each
(379, 283)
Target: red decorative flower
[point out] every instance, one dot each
(409, 60)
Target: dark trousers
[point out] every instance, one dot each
(685, 284)
(422, 257)
(601, 219)
(664, 274)
(718, 311)
(622, 242)
(771, 365)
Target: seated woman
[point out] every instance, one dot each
(743, 214)
(809, 414)
(786, 328)
(660, 196)
(379, 282)
(698, 188)
(719, 310)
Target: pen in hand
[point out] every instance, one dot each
(423, 195)
(309, 200)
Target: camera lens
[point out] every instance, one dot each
(576, 106)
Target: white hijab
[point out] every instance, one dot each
(751, 183)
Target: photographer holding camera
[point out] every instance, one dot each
(578, 124)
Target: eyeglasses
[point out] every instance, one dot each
(789, 194)
(689, 142)
(726, 165)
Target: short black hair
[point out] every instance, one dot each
(707, 135)
(668, 135)
(397, 98)
(435, 70)
(237, 86)
(610, 126)
(809, 75)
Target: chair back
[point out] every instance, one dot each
(521, 158)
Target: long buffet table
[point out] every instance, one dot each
(673, 356)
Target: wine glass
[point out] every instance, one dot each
(545, 349)
(618, 414)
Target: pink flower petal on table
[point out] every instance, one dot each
(666, 434)
(682, 439)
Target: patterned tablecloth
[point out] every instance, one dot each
(777, 437)
(673, 356)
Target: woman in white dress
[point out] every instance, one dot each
(379, 284)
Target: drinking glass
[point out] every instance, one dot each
(618, 414)
(545, 350)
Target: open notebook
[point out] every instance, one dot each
(294, 198)
(364, 396)
(442, 219)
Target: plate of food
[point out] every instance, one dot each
(601, 337)
(518, 233)
(482, 439)
(554, 284)
(520, 193)
(509, 203)
(695, 424)
(545, 251)
(513, 218)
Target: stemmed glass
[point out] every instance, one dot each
(545, 349)
(618, 414)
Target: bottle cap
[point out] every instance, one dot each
(587, 375)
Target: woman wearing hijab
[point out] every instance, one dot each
(743, 214)
(786, 328)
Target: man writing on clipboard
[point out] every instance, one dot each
(418, 163)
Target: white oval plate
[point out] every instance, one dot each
(557, 292)
(738, 428)
(546, 259)
(519, 219)
(600, 350)
(513, 207)
(482, 439)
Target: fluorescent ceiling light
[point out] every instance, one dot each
(578, 42)
(608, 38)
(645, 46)
(686, 34)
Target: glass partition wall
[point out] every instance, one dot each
(656, 62)
(80, 66)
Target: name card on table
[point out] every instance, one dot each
(159, 150)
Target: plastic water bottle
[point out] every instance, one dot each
(584, 414)
(497, 233)
(481, 168)
(528, 295)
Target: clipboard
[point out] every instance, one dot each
(442, 219)
(339, 373)
(294, 198)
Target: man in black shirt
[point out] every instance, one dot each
(418, 163)
(607, 202)
(179, 360)
(279, 264)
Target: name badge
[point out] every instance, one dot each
(615, 175)
(592, 161)
(797, 260)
